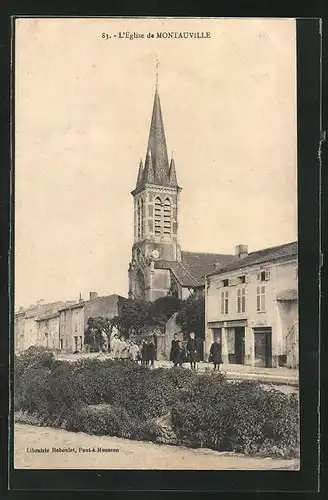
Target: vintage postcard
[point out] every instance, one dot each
(156, 246)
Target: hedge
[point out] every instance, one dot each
(176, 406)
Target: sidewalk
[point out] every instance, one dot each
(280, 374)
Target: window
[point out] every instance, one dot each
(263, 275)
(260, 298)
(225, 282)
(140, 218)
(224, 302)
(241, 300)
(167, 217)
(158, 216)
(241, 280)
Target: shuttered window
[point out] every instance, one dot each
(260, 298)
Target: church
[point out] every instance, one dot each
(158, 266)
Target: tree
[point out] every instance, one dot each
(98, 332)
(191, 317)
(139, 315)
(162, 309)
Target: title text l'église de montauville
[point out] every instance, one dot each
(159, 34)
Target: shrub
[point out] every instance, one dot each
(163, 405)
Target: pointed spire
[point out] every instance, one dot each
(149, 174)
(140, 174)
(172, 174)
(157, 144)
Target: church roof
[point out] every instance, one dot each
(190, 272)
(180, 272)
(199, 263)
(157, 169)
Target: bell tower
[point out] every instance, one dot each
(156, 200)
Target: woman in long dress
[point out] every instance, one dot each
(216, 354)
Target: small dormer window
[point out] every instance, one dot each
(225, 282)
(241, 280)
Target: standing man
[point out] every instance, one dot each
(216, 354)
(174, 350)
(180, 355)
(143, 350)
(151, 352)
(192, 351)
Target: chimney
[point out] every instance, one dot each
(241, 251)
(80, 297)
(93, 295)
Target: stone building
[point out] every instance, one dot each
(26, 330)
(252, 305)
(60, 325)
(158, 265)
(73, 318)
(48, 329)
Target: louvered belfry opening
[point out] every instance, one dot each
(167, 217)
(158, 216)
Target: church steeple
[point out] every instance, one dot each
(156, 203)
(157, 144)
(157, 169)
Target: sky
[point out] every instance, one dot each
(82, 113)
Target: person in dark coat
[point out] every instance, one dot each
(216, 354)
(143, 352)
(180, 355)
(174, 349)
(151, 352)
(192, 351)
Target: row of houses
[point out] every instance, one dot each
(61, 325)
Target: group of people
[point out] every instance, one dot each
(191, 353)
(145, 352)
(122, 349)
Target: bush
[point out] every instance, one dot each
(163, 405)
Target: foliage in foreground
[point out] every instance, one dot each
(176, 405)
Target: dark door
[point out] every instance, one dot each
(240, 345)
(263, 348)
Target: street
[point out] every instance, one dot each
(69, 450)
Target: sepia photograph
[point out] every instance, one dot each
(156, 311)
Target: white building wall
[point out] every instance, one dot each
(282, 277)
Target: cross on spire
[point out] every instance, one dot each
(157, 71)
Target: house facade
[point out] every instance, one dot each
(73, 318)
(251, 304)
(48, 330)
(27, 331)
(61, 325)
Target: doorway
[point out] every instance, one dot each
(263, 347)
(240, 345)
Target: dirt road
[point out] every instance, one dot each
(69, 450)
